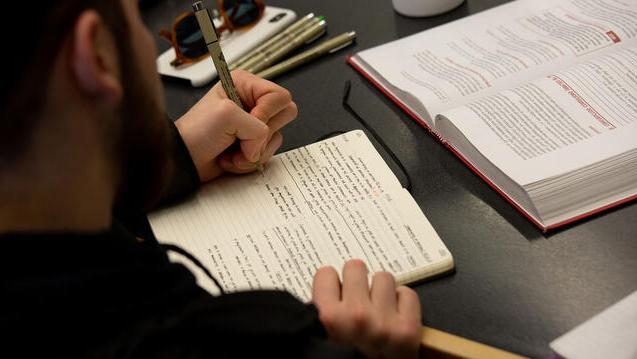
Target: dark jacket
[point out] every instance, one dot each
(114, 294)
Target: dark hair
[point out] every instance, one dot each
(27, 67)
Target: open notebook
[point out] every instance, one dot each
(321, 204)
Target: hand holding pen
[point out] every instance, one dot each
(215, 123)
(218, 120)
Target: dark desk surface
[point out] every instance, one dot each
(514, 287)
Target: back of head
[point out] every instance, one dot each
(31, 45)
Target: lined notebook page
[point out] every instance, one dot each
(321, 204)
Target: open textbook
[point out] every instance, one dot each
(321, 204)
(538, 97)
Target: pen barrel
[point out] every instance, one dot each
(328, 46)
(289, 64)
(306, 36)
(294, 28)
(264, 53)
(212, 43)
(286, 39)
(205, 23)
(224, 74)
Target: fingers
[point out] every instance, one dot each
(326, 289)
(239, 164)
(355, 286)
(282, 118)
(256, 92)
(408, 334)
(408, 303)
(211, 126)
(271, 104)
(383, 292)
(268, 102)
(383, 321)
(239, 124)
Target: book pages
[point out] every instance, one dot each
(511, 44)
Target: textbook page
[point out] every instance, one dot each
(318, 205)
(503, 47)
(562, 122)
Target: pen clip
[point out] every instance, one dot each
(340, 47)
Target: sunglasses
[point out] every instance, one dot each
(187, 39)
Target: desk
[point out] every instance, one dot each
(514, 287)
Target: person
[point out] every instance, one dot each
(85, 150)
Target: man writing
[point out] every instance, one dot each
(85, 148)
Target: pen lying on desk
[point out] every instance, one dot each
(286, 34)
(308, 35)
(332, 45)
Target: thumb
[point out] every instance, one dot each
(249, 130)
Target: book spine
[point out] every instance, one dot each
(433, 132)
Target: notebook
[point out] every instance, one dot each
(317, 205)
(538, 97)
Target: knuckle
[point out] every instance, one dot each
(332, 321)
(277, 140)
(240, 73)
(286, 94)
(260, 114)
(380, 333)
(225, 107)
(263, 130)
(359, 317)
(294, 109)
(407, 333)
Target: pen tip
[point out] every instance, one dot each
(321, 17)
(260, 167)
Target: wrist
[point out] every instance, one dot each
(197, 159)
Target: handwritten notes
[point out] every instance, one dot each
(318, 205)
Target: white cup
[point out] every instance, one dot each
(417, 8)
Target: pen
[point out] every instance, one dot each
(290, 30)
(332, 45)
(308, 35)
(212, 43)
(281, 43)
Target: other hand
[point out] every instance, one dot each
(382, 321)
(213, 124)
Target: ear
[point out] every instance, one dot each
(94, 59)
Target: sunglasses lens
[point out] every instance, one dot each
(241, 12)
(189, 38)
